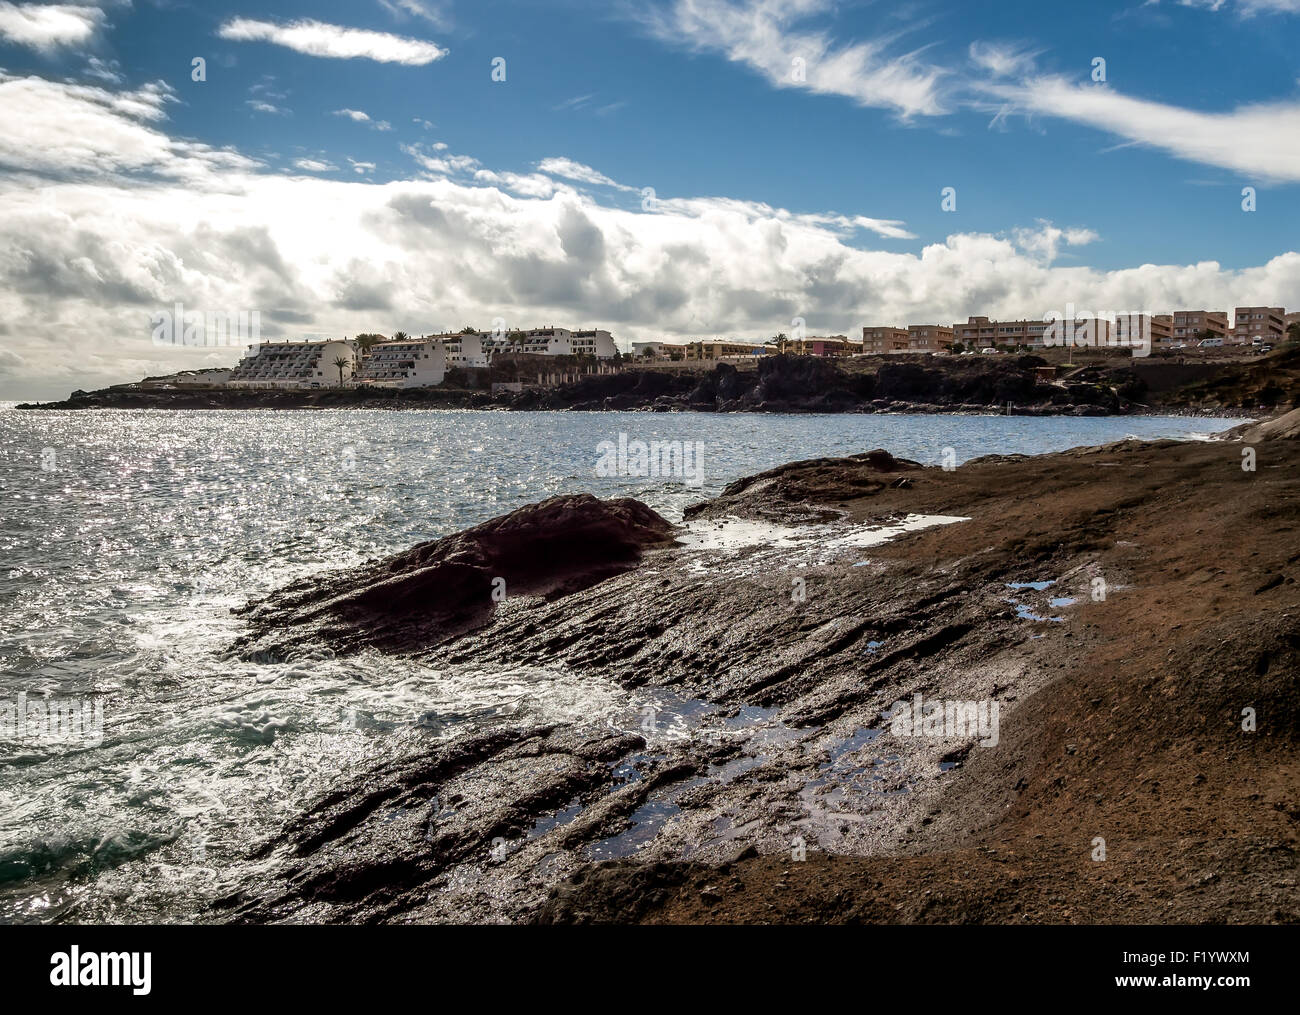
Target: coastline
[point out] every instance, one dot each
(790, 384)
(1121, 717)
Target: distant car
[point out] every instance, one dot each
(1257, 341)
(1266, 347)
(988, 351)
(1211, 343)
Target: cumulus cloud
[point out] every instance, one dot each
(318, 38)
(103, 225)
(314, 165)
(360, 116)
(49, 27)
(59, 127)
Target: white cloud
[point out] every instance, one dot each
(317, 38)
(261, 106)
(1002, 59)
(434, 13)
(358, 116)
(1246, 8)
(108, 219)
(760, 35)
(571, 170)
(61, 128)
(48, 26)
(361, 168)
(314, 165)
(1258, 141)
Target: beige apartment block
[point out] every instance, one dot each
(981, 332)
(881, 339)
(719, 350)
(1189, 324)
(1139, 329)
(929, 337)
(1268, 324)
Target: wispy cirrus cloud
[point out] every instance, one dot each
(570, 170)
(762, 35)
(1257, 141)
(1245, 8)
(318, 38)
(48, 27)
(437, 14)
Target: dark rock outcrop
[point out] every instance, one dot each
(441, 589)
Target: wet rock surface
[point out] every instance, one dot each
(1122, 606)
(443, 588)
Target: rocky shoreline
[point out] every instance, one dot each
(911, 384)
(1132, 610)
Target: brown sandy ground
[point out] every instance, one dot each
(1122, 721)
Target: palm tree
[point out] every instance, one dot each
(340, 362)
(401, 336)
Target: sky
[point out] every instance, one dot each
(665, 169)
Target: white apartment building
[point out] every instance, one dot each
(468, 350)
(596, 343)
(416, 363)
(544, 342)
(295, 365)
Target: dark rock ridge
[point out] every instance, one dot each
(441, 589)
(776, 384)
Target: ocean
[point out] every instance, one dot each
(151, 758)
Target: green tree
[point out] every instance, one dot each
(364, 342)
(401, 336)
(1293, 332)
(340, 362)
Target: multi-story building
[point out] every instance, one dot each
(467, 349)
(1189, 325)
(417, 363)
(296, 365)
(982, 333)
(929, 337)
(716, 349)
(543, 342)
(1267, 324)
(1143, 330)
(659, 350)
(829, 347)
(596, 343)
(884, 338)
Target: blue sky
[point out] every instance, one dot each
(781, 188)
